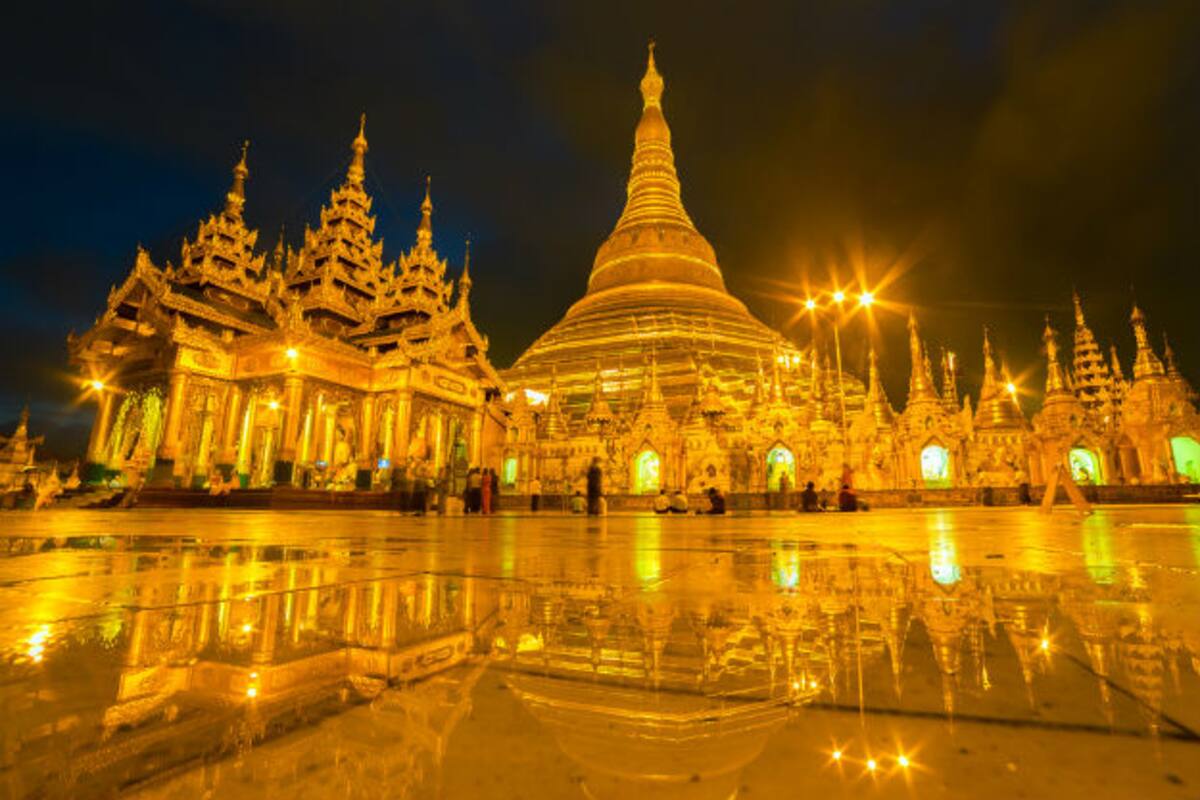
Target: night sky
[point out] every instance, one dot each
(998, 154)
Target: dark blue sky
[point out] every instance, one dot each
(1005, 151)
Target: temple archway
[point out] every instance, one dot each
(780, 461)
(1186, 452)
(1085, 466)
(935, 467)
(647, 472)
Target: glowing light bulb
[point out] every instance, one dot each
(839, 296)
(903, 761)
(292, 353)
(97, 384)
(252, 692)
(1012, 388)
(810, 304)
(247, 627)
(866, 298)
(273, 405)
(837, 755)
(871, 765)
(1045, 645)
(796, 685)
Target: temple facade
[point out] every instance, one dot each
(321, 366)
(667, 379)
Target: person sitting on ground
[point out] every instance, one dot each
(846, 499)
(679, 502)
(662, 503)
(716, 501)
(578, 503)
(810, 501)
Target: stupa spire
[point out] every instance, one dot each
(1169, 357)
(877, 401)
(464, 281)
(1146, 363)
(356, 173)
(425, 228)
(920, 382)
(654, 239)
(1089, 370)
(235, 199)
(1056, 383)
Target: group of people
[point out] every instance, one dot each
(677, 502)
(483, 487)
(811, 500)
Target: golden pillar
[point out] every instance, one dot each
(293, 390)
(175, 410)
(227, 451)
(99, 437)
(475, 456)
(366, 449)
(244, 454)
(403, 420)
(264, 649)
(330, 436)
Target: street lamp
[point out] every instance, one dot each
(839, 296)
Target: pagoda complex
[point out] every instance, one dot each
(326, 367)
(667, 378)
(321, 366)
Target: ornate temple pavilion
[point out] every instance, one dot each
(319, 366)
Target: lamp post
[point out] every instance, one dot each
(838, 297)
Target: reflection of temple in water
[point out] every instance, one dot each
(655, 669)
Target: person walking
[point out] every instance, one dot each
(595, 487)
(535, 494)
(486, 492)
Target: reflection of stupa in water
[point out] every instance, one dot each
(655, 286)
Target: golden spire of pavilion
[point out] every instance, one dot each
(464, 281)
(920, 381)
(425, 229)
(356, 172)
(236, 197)
(1146, 363)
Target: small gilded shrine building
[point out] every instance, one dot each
(322, 366)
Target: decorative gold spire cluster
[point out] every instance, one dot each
(997, 408)
(877, 401)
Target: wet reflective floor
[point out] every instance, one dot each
(986, 653)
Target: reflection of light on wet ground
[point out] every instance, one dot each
(178, 655)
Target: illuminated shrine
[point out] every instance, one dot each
(322, 366)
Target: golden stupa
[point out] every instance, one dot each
(656, 293)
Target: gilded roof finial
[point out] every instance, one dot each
(1146, 363)
(920, 381)
(652, 82)
(1055, 382)
(1079, 321)
(464, 283)
(356, 172)
(1169, 355)
(425, 229)
(236, 198)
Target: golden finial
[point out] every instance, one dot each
(236, 198)
(356, 173)
(1145, 363)
(652, 82)
(1055, 382)
(464, 283)
(425, 229)
(1079, 321)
